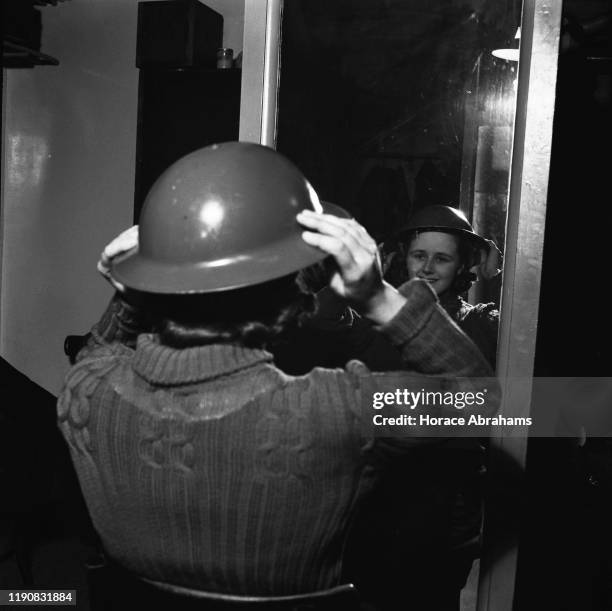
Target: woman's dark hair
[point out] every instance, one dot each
(249, 316)
(395, 252)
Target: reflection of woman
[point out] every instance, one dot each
(440, 246)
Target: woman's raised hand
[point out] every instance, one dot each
(358, 277)
(124, 242)
(491, 261)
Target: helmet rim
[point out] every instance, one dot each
(443, 219)
(222, 217)
(270, 262)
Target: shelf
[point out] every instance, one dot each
(18, 56)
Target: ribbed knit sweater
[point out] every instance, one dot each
(209, 467)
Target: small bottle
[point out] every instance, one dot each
(225, 58)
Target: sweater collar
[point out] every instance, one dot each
(166, 366)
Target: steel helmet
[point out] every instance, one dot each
(445, 219)
(220, 218)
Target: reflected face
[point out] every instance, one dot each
(434, 256)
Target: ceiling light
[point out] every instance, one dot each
(511, 54)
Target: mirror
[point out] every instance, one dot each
(389, 106)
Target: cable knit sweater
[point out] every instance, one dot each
(209, 467)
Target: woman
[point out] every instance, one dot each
(440, 246)
(204, 465)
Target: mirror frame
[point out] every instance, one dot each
(260, 71)
(530, 164)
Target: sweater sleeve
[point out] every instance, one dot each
(437, 358)
(119, 327)
(428, 339)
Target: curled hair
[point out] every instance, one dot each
(395, 253)
(250, 316)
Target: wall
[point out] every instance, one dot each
(69, 137)
(233, 21)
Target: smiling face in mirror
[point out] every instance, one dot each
(434, 256)
(389, 107)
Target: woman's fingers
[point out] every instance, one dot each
(354, 251)
(127, 240)
(124, 242)
(348, 231)
(491, 261)
(344, 239)
(331, 245)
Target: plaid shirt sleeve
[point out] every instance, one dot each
(437, 357)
